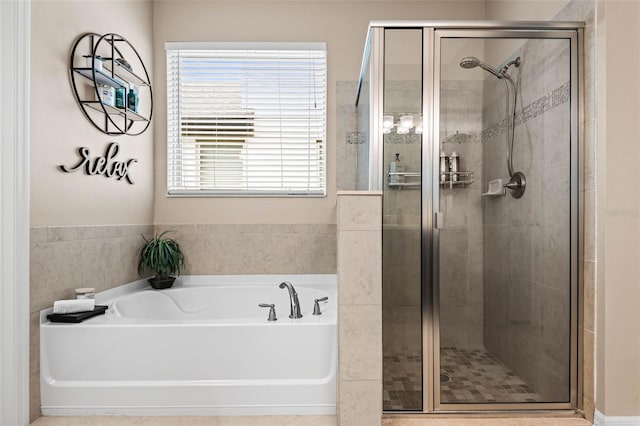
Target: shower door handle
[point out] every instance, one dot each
(438, 220)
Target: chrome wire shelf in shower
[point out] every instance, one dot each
(403, 175)
(453, 179)
(461, 179)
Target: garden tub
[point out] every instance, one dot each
(203, 347)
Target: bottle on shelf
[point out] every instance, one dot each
(444, 166)
(120, 98)
(454, 166)
(396, 167)
(132, 99)
(107, 95)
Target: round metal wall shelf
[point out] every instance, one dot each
(120, 66)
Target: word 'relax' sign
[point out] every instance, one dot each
(105, 165)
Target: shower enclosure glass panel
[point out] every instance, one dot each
(504, 285)
(401, 267)
(359, 147)
(474, 139)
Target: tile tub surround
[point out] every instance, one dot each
(256, 248)
(65, 258)
(360, 308)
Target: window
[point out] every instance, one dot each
(246, 119)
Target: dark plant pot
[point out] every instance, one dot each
(160, 284)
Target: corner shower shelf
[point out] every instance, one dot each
(464, 179)
(400, 185)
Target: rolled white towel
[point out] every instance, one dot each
(73, 306)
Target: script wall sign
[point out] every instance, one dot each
(102, 165)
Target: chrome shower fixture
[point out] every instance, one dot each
(517, 182)
(472, 62)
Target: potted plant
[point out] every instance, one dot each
(161, 256)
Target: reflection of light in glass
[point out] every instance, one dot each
(418, 129)
(406, 121)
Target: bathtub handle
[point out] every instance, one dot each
(316, 305)
(272, 311)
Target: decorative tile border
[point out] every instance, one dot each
(551, 100)
(462, 137)
(396, 139)
(356, 138)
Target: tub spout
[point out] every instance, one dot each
(293, 297)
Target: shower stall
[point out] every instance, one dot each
(471, 130)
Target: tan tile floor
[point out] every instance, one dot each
(474, 376)
(415, 420)
(460, 421)
(478, 376)
(188, 421)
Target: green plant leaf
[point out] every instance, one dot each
(161, 256)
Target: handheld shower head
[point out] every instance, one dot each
(471, 62)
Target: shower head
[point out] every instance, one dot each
(472, 62)
(469, 62)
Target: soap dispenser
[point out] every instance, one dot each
(396, 167)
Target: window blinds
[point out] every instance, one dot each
(245, 120)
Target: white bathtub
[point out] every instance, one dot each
(203, 347)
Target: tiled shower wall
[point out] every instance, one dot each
(351, 137)
(461, 239)
(401, 283)
(584, 10)
(527, 253)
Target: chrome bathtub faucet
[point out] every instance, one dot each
(293, 296)
(272, 311)
(316, 305)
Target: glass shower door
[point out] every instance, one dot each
(504, 286)
(401, 242)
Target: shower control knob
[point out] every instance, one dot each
(316, 305)
(516, 185)
(272, 310)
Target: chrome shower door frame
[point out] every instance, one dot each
(433, 33)
(430, 202)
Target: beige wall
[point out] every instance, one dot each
(618, 220)
(342, 24)
(517, 10)
(529, 10)
(58, 127)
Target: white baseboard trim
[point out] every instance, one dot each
(602, 420)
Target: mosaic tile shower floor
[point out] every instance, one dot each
(474, 376)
